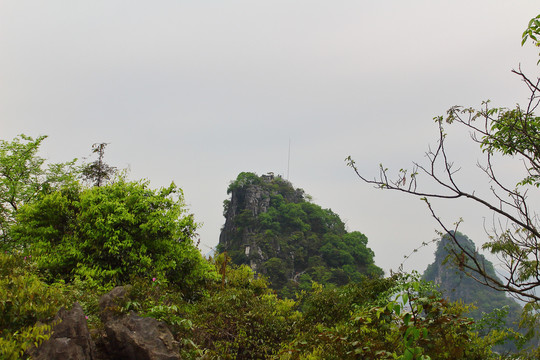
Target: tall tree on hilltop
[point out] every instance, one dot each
(98, 172)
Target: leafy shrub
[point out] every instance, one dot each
(108, 234)
(243, 320)
(27, 304)
(328, 306)
(397, 318)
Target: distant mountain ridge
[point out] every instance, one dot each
(455, 285)
(274, 228)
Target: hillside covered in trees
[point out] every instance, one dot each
(274, 228)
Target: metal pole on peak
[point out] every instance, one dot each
(289, 159)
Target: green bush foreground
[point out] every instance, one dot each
(239, 317)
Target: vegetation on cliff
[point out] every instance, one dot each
(275, 229)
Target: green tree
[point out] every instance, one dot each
(243, 319)
(110, 233)
(23, 178)
(275, 269)
(398, 317)
(98, 172)
(20, 178)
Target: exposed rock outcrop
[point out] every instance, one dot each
(251, 200)
(70, 338)
(140, 338)
(125, 337)
(133, 337)
(453, 281)
(111, 303)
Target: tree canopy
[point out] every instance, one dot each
(112, 233)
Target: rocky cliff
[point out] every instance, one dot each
(456, 285)
(250, 196)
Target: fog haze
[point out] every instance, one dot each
(196, 92)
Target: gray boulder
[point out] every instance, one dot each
(111, 302)
(125, 337)
(70, 338)
(140, 338)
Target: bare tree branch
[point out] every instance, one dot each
(516, 243)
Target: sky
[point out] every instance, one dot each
(196, 92)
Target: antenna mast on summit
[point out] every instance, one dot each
(289, 159)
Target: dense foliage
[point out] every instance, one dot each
(112, 233)
(23, 178)
(26, 305)
(297, 241)
(400, 318)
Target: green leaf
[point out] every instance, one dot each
(405, 298)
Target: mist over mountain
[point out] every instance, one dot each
(456, 285)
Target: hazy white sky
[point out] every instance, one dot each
(197, 91)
